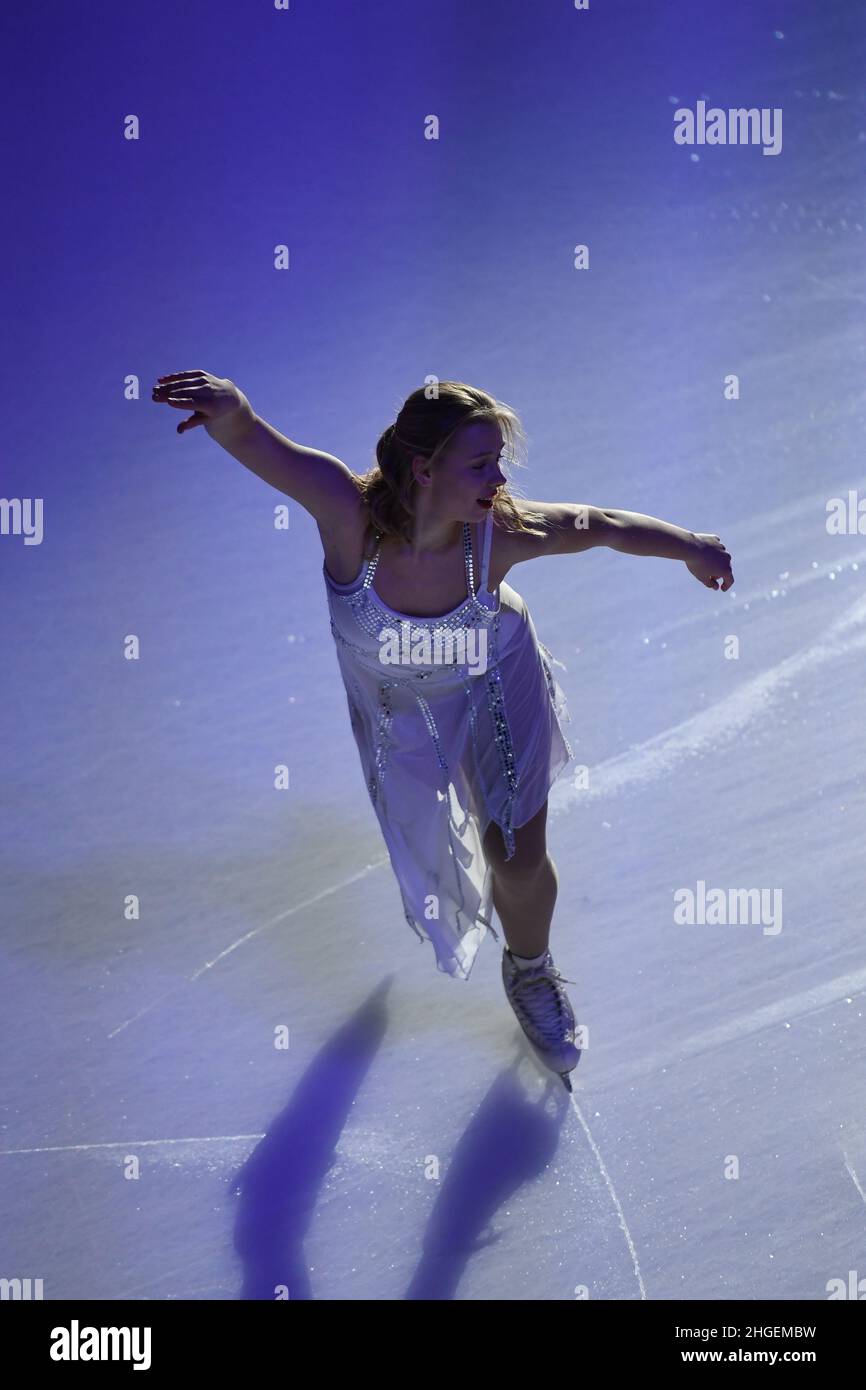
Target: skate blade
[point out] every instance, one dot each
(548, 1069)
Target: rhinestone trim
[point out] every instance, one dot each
(383, 729)
(504, 741)
(473, 717)
(431, 729)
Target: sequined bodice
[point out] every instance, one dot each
(372, 615)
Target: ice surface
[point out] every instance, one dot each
(403, 1145)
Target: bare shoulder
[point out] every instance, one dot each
(343, 536)
(564, 529)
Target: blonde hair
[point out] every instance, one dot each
(426, 424)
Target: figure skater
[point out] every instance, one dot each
(452, 699)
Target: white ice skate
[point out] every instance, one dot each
(544, 1012)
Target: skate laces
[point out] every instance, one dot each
(538, 995)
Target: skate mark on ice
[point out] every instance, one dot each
(134, 1144)
(844, 987)
(610, 1187)
(837, 292)
(248, 936)
(719, 723)
(853, 1176)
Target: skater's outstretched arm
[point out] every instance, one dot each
(321, 483)
(571, 527)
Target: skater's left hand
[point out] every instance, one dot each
(711, 562)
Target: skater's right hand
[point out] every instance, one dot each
(210, 397)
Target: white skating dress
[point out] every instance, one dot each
(457, 722)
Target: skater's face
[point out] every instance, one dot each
(471, 471)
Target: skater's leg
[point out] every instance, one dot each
(524, 893)
(525, 886)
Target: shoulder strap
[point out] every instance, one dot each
(467, 559)
(488, 536)
(370, 566)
